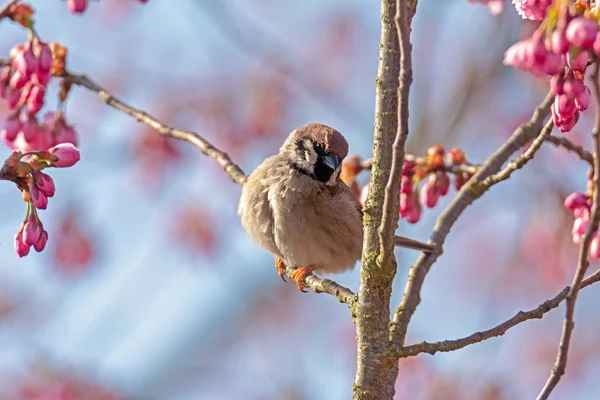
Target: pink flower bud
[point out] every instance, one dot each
(595, 247)
(65, 135)
(564, 106)
(64, 155)
(576, 200)
(12, 126)
(32, 231)
(565, 125)
(553, 64)
(45, 59)
(35, 100)
(44, 182)
(559, 42)
(12, 98)
(408, 168)
(30, 127)
(572, 87)
(578, 63)
(77, 6)
(581, 32)
(557, 85)
(536, 52)
(18, 80)
(407, 184)
(38, 199)
(25, 62)
(41, 242)
(42, 78)
(414, 214)
(580, 226)
(516, 54)
(582, 212)
(429, 194)
(20, 247)
(406, 203)
(582, 100)
(442, 183)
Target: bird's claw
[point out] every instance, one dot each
(280, 268)
(298, 276)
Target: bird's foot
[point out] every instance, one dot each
(299, 274)
(280, 267)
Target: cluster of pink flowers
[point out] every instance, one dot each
(436, 167)
(560, 48)
(580, 204)
(79, 6)
(38, 187)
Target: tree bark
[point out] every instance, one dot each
(372, 311)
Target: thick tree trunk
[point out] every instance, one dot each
(372, 313)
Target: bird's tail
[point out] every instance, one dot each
(413, 244)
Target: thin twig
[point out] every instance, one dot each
(391, 205)
(561, 141)
(472, 190)
(522, 159)
(449, 168)
(318, 285)
(232, 169)
(582, 263)
(498, 330)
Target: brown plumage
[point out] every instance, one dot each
(295, 206)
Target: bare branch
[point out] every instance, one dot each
(232, 169)
(498, 330)
(582, 263)
(389, 221)
(522, 159)
(318, 285)
(561, 141)
(472, 190)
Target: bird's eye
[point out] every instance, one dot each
(318, 146)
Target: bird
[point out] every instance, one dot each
(295, 206)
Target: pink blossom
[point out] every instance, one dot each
(407, 184)
(579, 63)
(44, 183)
(414, 214)
(572, 87)
(32, 231)
(576, 200)
(558, 42)
(564, 106)
(531, 54)
(532, 9)
(18, 80)
(25, 62)
(64, 155)
(37, 197)
(77, 6)
(557, 85)
(596, 44)
(45, 58)
(580, 226)
(40, 244)
(564, 124)
(429, 194)
(582, 100)
(20, 247)
(35, 100)
(442, 183)
(11, 129)
(581, 32)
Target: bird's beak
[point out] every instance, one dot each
(331, 160)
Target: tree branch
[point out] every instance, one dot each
(561, 141)
(232, 169)
(472, 190)
(391, 203)
(582, 263)
(498, 330)
(522, 159)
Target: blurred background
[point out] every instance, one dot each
(150, 289)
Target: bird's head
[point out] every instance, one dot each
(316, 150)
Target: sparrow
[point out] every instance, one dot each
(295, 205)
